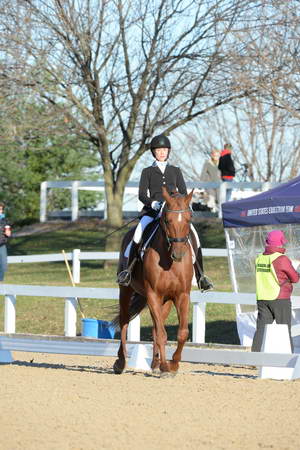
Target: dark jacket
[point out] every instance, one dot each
(3, 238)
(285, 272)
(152, 180)
(226, 165)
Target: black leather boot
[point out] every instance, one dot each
(124, 277)
(204, 284)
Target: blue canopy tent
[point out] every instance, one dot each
(246, 223)
(280, 205)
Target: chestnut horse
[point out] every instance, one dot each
(162, 278)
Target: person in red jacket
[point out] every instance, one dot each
(275, 276)
(226, 167)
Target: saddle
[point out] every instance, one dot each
(124, 276)
(148, 234)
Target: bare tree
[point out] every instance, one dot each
(272, 61)
(265, 141)
(266, 146)
(122, 71)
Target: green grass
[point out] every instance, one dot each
(46, 315)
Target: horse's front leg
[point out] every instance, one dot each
(155, 358)
(155, 306)
(182, 308)
(124, 301)
(156, 355)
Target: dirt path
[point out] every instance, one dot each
(61, 402)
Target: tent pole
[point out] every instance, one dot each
(231, 266)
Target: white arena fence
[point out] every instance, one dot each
(272, 365)
(76, 256)
(102, 347)
(241, 189)
(198, 299)
(70, 295)
(70, 344)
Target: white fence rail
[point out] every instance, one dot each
(288, 364)
(273, 362)
(70, 295)
(198, 299)
(76, 256)
(75, 186)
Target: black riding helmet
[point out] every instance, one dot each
(160, 141)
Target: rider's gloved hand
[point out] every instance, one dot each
(156, 205)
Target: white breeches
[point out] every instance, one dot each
(145, 220)
(196, 235)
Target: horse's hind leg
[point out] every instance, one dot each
(124, 301)
(182, 307)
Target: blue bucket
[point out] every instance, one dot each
(97, 329)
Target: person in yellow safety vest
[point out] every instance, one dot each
(274, 277)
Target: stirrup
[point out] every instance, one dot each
(124, 278)
(205, 284)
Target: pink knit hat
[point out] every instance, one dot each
(276, 238)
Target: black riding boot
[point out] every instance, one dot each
(202, 281)
(124, 277)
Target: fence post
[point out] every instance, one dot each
(76, 265)
(70, 316)
(199, 323)
(266, 186)
(134, 329)
(222, 197)
(10, 314)
(74, 194)
(43, 202)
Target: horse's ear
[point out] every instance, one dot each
(189, 196)
(166, 194)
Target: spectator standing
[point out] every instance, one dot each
(274, 277)
(210, 173)
(226, 167)
(5, 233)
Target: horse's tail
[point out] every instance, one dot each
(137, 303)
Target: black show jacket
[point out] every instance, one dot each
(152, 180)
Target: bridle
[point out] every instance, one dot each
(175, 239)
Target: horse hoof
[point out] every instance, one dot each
(156, 370)
(117, 368)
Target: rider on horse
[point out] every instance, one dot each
(159, 174)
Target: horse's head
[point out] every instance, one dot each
(176, 221)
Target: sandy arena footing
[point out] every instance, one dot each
(63, 402)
